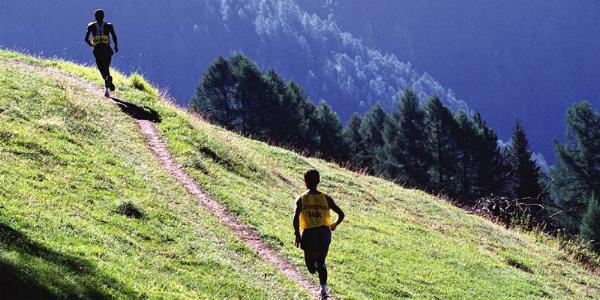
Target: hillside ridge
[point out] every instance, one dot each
(397, 242)
(145, 121)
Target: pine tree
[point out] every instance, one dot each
(282, 119)
(215, 95)
(371, 131)
(389, 162)
(252, 92)
(524, 170)
(575, 176)
(441, 143)
(404, 157)
(236, 94)
(467, 166)
(491, 168)
(590, 227)
(332, 144)
(354, 139)
(306, 137)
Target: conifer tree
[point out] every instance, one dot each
(236, 94)
(282, 118)
(590, 227)
(467, 166)
(404, 157)
(215, 95)
(389, 162)
(524, 170)
(354, 139)
(575, 176)
(298, 103)
(371, 131)
(332, 144)
(491, 168)
(252, 93)
(441, 144)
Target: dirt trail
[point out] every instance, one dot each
(166, 160)
(248, 235)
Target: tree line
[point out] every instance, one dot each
(419, 146)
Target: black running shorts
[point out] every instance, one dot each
(316, 239)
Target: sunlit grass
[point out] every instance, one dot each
(73, 171)
(396, 242)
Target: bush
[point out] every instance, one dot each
(590, 228)
(139, 83)
(579, 250)
(130, 210)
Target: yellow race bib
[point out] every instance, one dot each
(100, 39)
(314, 211)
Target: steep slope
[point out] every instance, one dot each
(68, 159)
(396, 242)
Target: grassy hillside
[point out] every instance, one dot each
(68, 159)
(395, 242)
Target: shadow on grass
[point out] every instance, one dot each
(48, 274)
(16, 286)
(138, 112)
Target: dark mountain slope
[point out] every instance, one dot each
(508, 59)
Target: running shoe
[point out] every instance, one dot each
(109, 83)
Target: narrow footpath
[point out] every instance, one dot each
(159, 148)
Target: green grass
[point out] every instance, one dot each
(70, 163)
(395, 243)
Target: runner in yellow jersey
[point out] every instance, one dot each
(313, 226)
(100, 32)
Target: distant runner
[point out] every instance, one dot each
(312, 217)
(100, 31)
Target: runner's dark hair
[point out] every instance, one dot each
(312, 178)
(99, 14)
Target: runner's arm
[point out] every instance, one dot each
(337, 210)
(87, 37)
(114, 37)
(296, 223)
